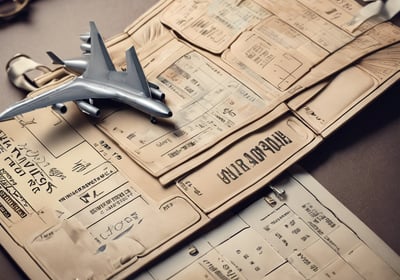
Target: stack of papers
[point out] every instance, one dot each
(254, 85)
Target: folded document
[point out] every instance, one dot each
(254, 86)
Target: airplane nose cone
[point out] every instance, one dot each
(159, 109)
(153, 107)
(166, 112)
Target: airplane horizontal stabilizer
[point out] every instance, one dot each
(55, 58)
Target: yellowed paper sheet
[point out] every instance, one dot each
(284, 41)
(65, 184)
(106, 190)
(245, 163)
(110, 216)
(289, 69)
(208, 105)
(266, 60)
(212, 25)
(324, 110)
(307, 234)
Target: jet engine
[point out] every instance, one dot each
(59, 107)
(156, 92)
(85, 47)
(85, 37)
(88, 108)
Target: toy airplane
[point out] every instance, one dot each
(99, 80)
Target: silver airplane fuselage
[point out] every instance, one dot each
(103, 90)
(98, 79)
(126, 95)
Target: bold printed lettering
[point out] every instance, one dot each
(258, 153)
(242, 165)
(273, 144)
(265, 147)
(250, 159)
(282, 136)
(236, 169)
(223, 176)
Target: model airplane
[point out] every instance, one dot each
(98, 80)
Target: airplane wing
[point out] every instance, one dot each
(100, 63)
(100, 67)
(69, 91)
(135, 75)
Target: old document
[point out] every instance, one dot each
(208, 104)
(374, 73)
(267, 55)
(67, 187)
(251, 85)
(304, 234)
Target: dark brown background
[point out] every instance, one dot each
(359, 164)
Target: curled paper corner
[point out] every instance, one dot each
(372, 9)
(378, 9)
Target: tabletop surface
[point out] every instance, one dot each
(358, 164)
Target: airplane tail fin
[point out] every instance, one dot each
(55, 58)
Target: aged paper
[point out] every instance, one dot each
(117, 192)
(213, 25)
(208, 105)
(63, 183)
(87, 196)
(266, 57)
(268, 53)
(307, 234)
(374, 74)
(282, 43)
(245, 163)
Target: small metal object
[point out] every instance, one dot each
(270, 201)
(280, 193)
(193, 251)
